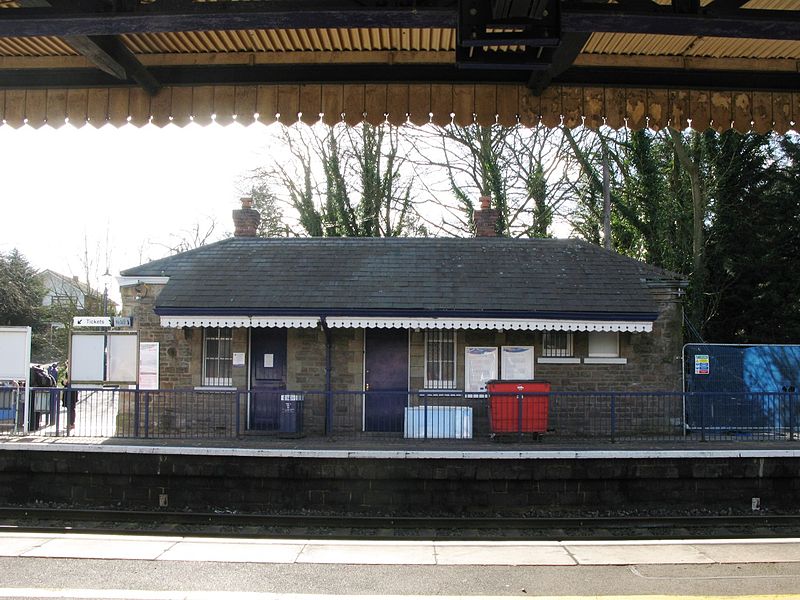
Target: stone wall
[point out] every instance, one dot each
(426, 486)
(179, 410)
(653, 364)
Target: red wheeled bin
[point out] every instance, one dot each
(518, 406)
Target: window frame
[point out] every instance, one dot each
(441, 384)
(217, 381)
(570, 346)
(596, 354)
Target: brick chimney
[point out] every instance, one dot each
(246, 219)
(486, 219)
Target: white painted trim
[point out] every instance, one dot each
(288, 322)
(126, 281)
(102, 446)
(492, 324)
(238, 321)
(214, 388)
(552, 360)
(605, 361)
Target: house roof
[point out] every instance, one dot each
(432, 277)
(67, 281)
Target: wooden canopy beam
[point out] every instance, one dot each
(720, 19)
(110, 55)
(741, 23)
(238, 74)
(186, 15)
(562, 59)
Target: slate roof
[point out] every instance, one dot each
(514, 278)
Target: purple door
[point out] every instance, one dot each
(267, 377)
(386, 378)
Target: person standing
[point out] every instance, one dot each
(69, 399)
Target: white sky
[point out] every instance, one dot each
(137, 186)
(127, 193)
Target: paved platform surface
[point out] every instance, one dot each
(142, 567)
(176, 548)
(398, 448)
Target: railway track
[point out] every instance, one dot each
(228, 524)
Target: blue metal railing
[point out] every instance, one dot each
(419, 415)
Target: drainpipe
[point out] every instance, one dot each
(328, 391)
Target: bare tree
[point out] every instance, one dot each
(524, 171)
(338, 181)
(195, 236)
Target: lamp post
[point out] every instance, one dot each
(106, 277)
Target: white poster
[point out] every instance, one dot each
(148, 365)
(87, 357)
(15, 352)
(516, 362)
(122, 359)
(480, 366)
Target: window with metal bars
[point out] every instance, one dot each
(217, 356)
(440, 359)
(557, 344)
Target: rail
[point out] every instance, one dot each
(213, 523)
(448, 416)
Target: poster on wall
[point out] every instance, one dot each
(122, 359)
(15, 352)
(516, 362)
(87, 357)
(148, 365)
(480, 366)
(702, 364)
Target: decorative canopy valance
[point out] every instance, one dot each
(409, 323)
(210, 321)
(399, 103)
(492, 324)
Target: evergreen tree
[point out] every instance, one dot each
(21, 294)
(754, 239)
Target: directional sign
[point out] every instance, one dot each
(123, 321)
(91, 321)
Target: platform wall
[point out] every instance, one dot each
(394, 486)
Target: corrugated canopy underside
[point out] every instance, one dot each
(620, 78)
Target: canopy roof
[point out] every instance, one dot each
(637, 62)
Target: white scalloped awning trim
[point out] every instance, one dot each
(201, 321)
(494, 324)
(284, 321)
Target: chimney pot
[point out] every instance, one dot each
(246, 219)
(486, 219)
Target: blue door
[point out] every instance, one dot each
(267, 377)
(386, 379)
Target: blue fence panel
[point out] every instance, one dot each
(741, 387)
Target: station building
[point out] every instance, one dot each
(378, 324)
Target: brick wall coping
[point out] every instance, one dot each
(64, 446)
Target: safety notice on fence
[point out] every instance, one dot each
(702, 365)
